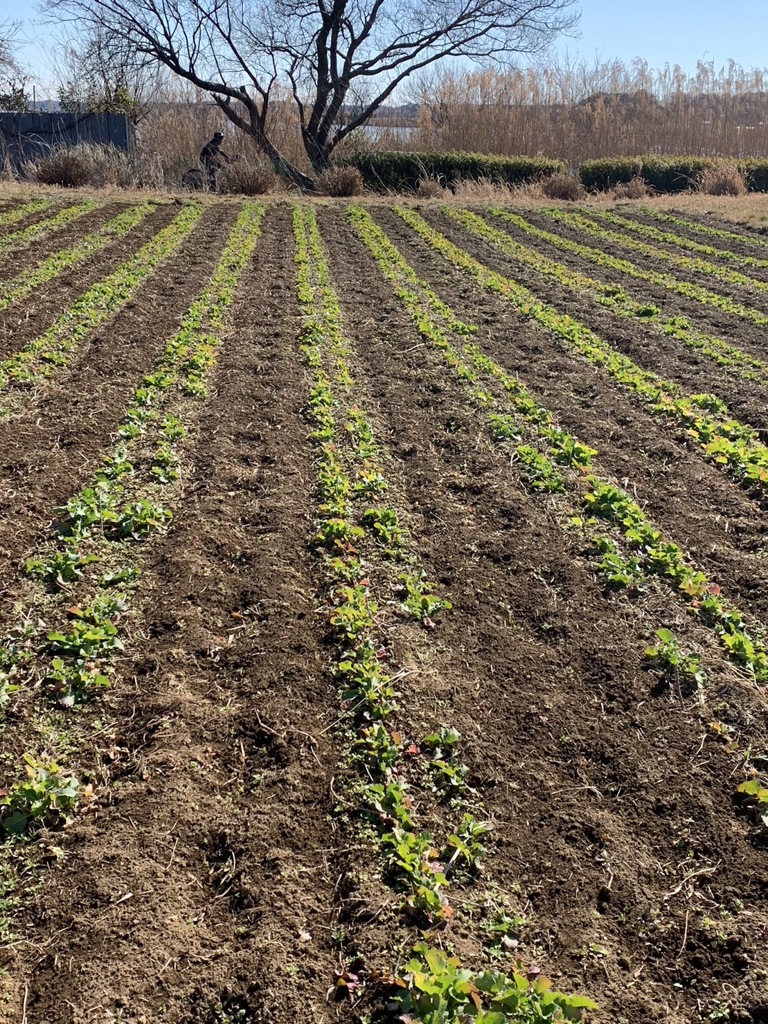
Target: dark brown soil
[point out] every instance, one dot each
(21, 322)
(52, 449)
(708, 318)
(203, 878)
(579, 753)
(212, 872)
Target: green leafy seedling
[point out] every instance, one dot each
(675, 662)
(46, 796)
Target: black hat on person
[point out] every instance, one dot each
(218, 135)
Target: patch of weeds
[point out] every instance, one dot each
(384, 524)
(61, 568)
(140, 518)
(503, 930)
(675, 663)
(465, 846)
(435, 989)
(73, 683)
(93, 633)
(617, 570)
(541, 473)
(7, 687)
(165, 467)
(125, 576)
(45, 797)
(418, 598)
(756, 796)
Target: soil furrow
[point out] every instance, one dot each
(577, 749)
(708, 318)
(690, 499)
(50, 450)
(15, 261)
(216, 817)
(22, 322)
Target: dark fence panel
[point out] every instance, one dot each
(30, 136)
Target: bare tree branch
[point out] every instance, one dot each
(326, 50)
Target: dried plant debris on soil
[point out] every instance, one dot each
(384, 633)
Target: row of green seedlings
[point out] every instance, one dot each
(731, 446)
(755, 241)
(654, 234)
(20, 287)
(391, 768)
(47, 226)
(655, 277)
(636, 549)
(23, 210)
(36, 361)
(613, 297)
(120, 505)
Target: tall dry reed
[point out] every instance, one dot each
(577, 111)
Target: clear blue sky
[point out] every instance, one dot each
(660, 31)
(674, 32)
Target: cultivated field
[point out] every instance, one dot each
(383, 614)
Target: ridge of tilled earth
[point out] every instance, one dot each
(203, 879)
(580, 756)
(706, 513)
(24, 321)
(15, 261)
(740, 248)
(691, 370)
(53, 447)
(707, 318)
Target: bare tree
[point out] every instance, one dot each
(98, 73)
(342, 58)
(8, 65)
(13, 82)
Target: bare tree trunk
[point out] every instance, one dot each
(255, 128)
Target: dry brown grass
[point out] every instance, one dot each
(578, 111)
(430, 188)
(97, 166)
(468, 190)
(722, 180)
(64, 167)
(562, 186)
(342, 182)
(634, 189)
(247, 178)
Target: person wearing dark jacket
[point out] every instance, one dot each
(213, 158)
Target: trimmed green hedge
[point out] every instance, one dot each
(756, 172)
(600, 175)
(398, 171)
(665, 173)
